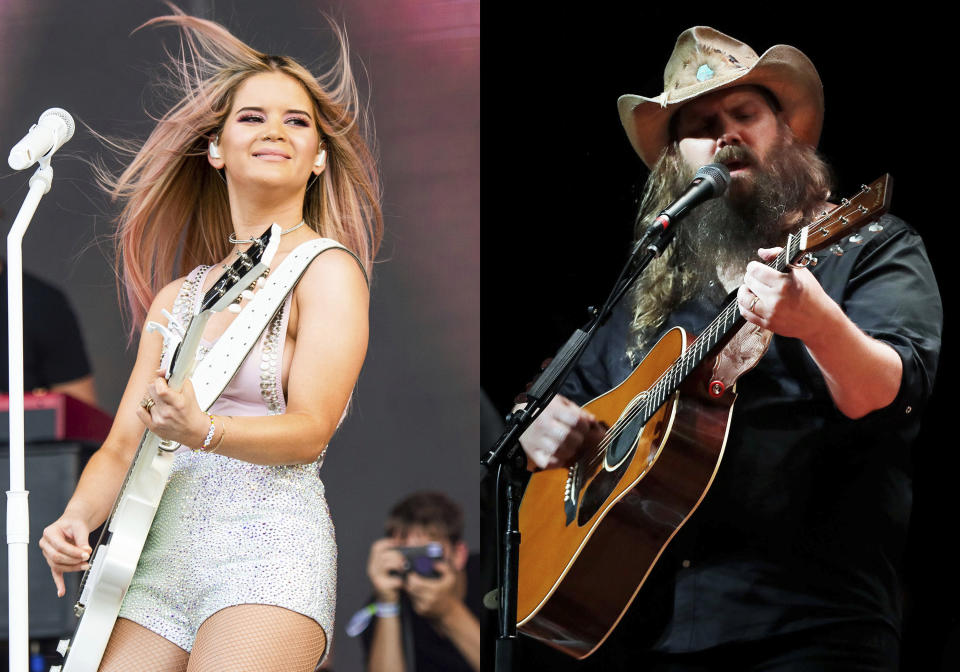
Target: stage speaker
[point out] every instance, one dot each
(52, 471)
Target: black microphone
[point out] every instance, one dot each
(710, 182)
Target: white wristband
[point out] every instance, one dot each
(387, 609)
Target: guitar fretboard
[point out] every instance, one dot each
(849, 214)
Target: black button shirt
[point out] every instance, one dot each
(805, 523)
(53, 350)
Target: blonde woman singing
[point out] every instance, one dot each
(239, 569)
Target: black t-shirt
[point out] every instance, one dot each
(806, 520)
(435, 653)
(53, 349)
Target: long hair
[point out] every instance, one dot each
(664, 285)
(175, 211)
(796, 183)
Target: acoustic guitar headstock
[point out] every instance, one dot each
(867, 205)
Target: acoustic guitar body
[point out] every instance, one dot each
(583, 558)
(591, 534)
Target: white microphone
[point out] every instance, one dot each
(53, 129)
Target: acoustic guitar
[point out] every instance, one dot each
(592, 533)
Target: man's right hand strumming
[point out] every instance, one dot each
(559, 434)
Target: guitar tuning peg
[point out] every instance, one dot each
(166, 333)
(174, 324)
(234, 308)
(260, 281)
(245, 260)
(246, 294)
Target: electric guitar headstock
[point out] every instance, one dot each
(236, 283)
(242, 275)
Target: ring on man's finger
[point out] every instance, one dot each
(753, 303)
(147, 403)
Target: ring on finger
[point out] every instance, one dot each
(147, 403)
(753, 303)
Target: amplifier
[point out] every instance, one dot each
(52, 471)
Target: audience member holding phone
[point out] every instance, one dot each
(426, 595)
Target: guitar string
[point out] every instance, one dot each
(612, 434)
(819, 227)
(655, 390)
(208, 298)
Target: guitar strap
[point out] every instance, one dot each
(215, 371)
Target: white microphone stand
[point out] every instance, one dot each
(18, 511)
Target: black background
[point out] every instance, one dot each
(561, 183)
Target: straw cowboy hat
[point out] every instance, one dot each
(705, 60)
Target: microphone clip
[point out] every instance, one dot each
(658, 236)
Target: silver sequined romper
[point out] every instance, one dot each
(230, 532)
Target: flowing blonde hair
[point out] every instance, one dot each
(175, 205)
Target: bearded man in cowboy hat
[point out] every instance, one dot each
(791, 561)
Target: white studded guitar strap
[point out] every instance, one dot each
(214, 372)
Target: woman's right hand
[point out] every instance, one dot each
(66, 548)
(558, 435)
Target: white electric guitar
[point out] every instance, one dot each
(118, 550)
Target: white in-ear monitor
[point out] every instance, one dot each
(321, 158)
(214, 150)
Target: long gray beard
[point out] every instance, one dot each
(721, 236)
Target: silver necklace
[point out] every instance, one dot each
(232, 239)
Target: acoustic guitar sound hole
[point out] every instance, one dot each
(616, 460)
(623, 445)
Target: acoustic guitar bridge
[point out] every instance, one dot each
(570, 490)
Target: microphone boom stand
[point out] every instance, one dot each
(18, 512)
(508, 455)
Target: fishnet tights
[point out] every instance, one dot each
(244, 638)
(257, 638)
(133, 647)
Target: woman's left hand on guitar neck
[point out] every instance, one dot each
(794, 305)
(176, 416)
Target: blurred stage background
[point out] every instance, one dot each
(414, 423)
(566, 182)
